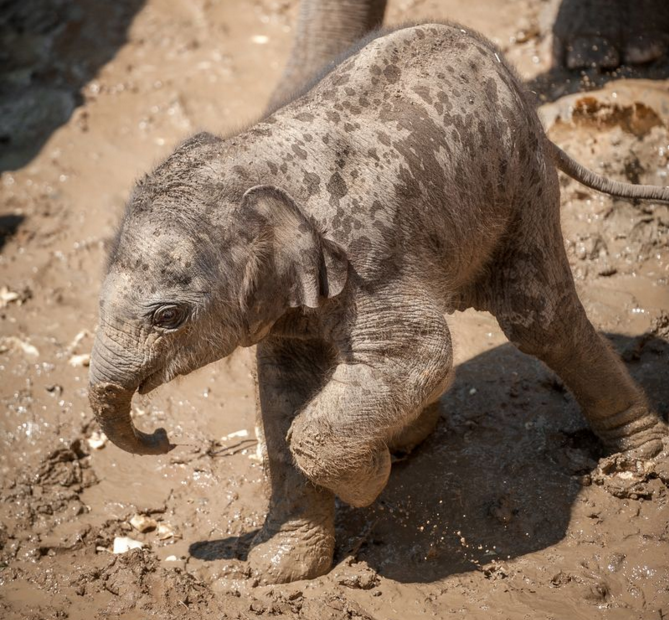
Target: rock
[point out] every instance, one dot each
(617, 104)
(97, 440)
(122, 544)
(237, 434)
(12, 343)
(142, 523)
(77, 361)
(359, 575)
(7, 296)
(165, 531)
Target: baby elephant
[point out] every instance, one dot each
(413, 179)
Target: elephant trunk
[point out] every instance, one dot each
(110, 399)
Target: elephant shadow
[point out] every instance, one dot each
(498, 478)
(495, 481)
(51, 50)
(231, 548)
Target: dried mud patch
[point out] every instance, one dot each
(622, 132)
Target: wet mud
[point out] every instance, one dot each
(506, 511)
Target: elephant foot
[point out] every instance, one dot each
(415, 433)
(603, 34)
(645, 47)
(360, 487)
(362, 481)
(639, 442)
(631, 474)
(633, 434)
(356, 472)
(585, 52)
(294, 550)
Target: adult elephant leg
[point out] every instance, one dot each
(536, 305)
(647, 32)
(588, 33)
(606, 33)
(325, 29)
(297, 539)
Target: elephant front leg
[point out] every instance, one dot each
(354, 469)
(397, 363)
(297, 539)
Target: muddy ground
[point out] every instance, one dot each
(502, 513)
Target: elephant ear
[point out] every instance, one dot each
(296, 264)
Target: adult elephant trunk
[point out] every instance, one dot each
(111, 387)
(325, 29)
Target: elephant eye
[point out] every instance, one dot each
(169, 317)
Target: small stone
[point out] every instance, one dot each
(165, 531)
(7, 296)
(237, 434)
(122, 544)
(76, 341)
(142, 523)
(97, 440)
(12, 343)
(626, 475)
(77, 361)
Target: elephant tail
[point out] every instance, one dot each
(602, 184)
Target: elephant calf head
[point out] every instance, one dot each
(194, 273)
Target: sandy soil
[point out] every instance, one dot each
(502, 513)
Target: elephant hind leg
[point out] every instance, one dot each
(536, 305)
(417, 431)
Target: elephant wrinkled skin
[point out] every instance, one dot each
(412, 180)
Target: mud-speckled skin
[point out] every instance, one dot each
(412, 180)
